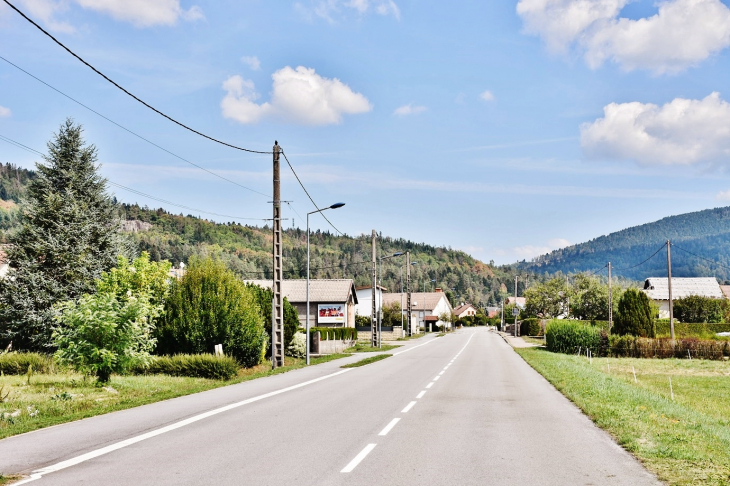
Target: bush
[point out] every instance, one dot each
(696, 308)
(335, 333)
(17, 363)
(192, 365)
(637, 347)
(683, 329)
(264, 297)
(635, 315)
(210, 306)
(531, 327)
(362, 321)
(298, 347)
(567, 336)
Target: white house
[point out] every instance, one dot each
(465, 310)
(657, 289)
(364, 305)
(426, 307)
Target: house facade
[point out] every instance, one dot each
(426, 307)
(364, 306)
(331, 301)
(657, 289)
(465, 310)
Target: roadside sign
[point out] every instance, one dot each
(515, 312)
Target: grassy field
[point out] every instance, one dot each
(685, 440)
(367, 361)
(52, 399)
(366, 348)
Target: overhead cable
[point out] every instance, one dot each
(674, 245)
(639, 264)
(127, 92)
(130, 131)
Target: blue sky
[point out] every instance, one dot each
(505, 129)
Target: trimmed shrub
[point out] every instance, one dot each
(567, 336)
(682, 329)
(637, 347)
(635, 315)
(696, 308)
(334, 333)
(17, 363)
(210, 306)
(531, 327)
(193, 365)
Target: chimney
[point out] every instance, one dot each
(438, 289)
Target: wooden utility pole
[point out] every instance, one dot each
(373, 320)
(408, 289)
(610, 300)
(277, 304)
(669, 282)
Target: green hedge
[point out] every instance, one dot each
(17, 363)
(637, 347)
(193, 365)
(531, 327)
(563, 336)
(335, 333)
(682, 329)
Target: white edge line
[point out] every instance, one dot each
(408, 407)
(429, 385)
(420, 395)
(389, 426)
(133, 440)
(358, 458)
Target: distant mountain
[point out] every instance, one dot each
(700, 248)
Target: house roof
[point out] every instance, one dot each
(520, 301)
(368, 287)
(425, 301)
(657, 288)
(320, 290)
(463, 308)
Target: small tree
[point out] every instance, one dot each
(69, 235)
(546, 300)
(264, 298)
(635, 315)
(589, 299)
(391, 314)
(210, 306)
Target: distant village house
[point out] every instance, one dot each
(657, 289)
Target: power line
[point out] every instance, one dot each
(130, 131)
(700, 257)
(639, 264)
(596, 271)
(127, 92)
(25, 147)
(307, 192)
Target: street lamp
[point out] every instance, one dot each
(380, 308)
(334, 206)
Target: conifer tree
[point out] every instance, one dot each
(69, 235)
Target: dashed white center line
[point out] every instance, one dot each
(436, 379)
(429, 385)
(408, 407)
(389, 426)
(420, 395)
(358, 458)
(442, 372)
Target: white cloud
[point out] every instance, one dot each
(252, 62)
(331, 10)
(487, 96)
(681, 132)
(681, 34)
(144, 13)
(298, 95)
(723, 196)
(46, 11)
(527, 252)
(409, 109)
(5, 112)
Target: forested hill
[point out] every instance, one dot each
(247, 249)
(706, 234)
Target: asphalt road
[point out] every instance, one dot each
(459, 409)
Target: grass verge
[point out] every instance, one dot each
(367, 361)
(9, 479)
(51, 399)
(410, 338)
(534, 340)
(366, 348)
(683, 441)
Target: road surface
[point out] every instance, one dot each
(460, 409)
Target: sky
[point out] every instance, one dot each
(505, 129)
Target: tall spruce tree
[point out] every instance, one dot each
(69, 235)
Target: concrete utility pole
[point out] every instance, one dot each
(515, 313)
(408, 296)
(277, 305)
(669, 281)
(610, 300)
(373, 318)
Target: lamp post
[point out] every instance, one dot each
(334, 206)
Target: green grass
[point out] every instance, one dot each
(367, 361)
(65, 397)
(409, 338)
(366, 348)
(533, 340)
(8, 479)
(683, 441)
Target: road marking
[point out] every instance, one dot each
(414, 347)
(358, 458)
(408, 407)
(420, 395)
(37, 474)
(389, 426)
(429, 385)
(436, 379)
(442, 372)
